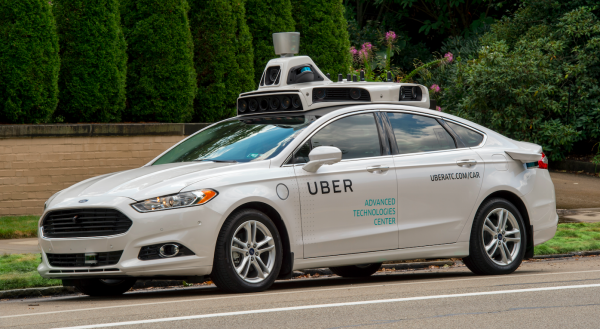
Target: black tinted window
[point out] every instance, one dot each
(301, 155)
(415, 133)
(355, 135)
(468, 136)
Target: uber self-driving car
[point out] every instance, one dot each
(311, 173)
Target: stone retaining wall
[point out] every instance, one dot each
(34, 166)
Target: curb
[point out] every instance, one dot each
(36, 292)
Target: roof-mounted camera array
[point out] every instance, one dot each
(341, 95)
(270, 103)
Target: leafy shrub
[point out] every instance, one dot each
(323, 34)
(216, 28)
(264, 18)
(535, 78)
(93, 58)
(29, 61)
(161, 79)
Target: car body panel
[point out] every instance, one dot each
(440, 229)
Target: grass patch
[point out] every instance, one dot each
(20, 271)
(16, 227)
(572, 237)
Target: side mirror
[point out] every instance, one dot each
(322, 155)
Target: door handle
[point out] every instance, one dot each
(377, 168)
(467, 163)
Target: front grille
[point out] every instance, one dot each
(340, 94)
(75, 223)
(78, 260)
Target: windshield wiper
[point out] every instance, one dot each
(218, 161)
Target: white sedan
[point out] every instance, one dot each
(305, 183)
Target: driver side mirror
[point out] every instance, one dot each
(322, 155)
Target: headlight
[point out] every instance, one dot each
(180, 200)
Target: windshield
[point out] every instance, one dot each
(240, 140)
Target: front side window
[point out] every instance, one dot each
(239, 140)
(416, 133)
(356, 136)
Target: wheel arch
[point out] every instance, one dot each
(281, 228)
(520, 204)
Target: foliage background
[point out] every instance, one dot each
(93, 61)
(29, 62)
(161, 75)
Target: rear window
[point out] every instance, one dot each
(469, 137)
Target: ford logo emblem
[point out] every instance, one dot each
(83, 201)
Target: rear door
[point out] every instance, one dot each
(349, 207)
(438, 180)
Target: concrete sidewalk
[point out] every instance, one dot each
(19, 246)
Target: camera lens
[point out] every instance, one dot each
(263, 104)
(296, 103)
(252, 105)
(285, 103)
(242, 106)
(273, 73)
(355, 93)
(320, 93)
(274, 103)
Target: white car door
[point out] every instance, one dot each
(438, 180)
(348, 207)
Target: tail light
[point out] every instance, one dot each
(543, 162)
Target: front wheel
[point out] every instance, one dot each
(498, 239)
(103, 287)
(248, 253)
(356, 271)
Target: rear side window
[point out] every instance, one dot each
(356, 136)
(416, 133)
(468, 136)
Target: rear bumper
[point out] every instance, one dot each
(546, 233)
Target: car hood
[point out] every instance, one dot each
(146, 182)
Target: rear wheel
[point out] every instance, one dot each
(356, 271)
(498, 239)
(248, 253)
(103, 287)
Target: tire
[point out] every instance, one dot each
(489, 253)
(356, 271)
(232, 256)
(103, 287)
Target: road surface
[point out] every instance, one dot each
(541, 294)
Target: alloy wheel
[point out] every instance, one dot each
(501, 236)
(253, 251)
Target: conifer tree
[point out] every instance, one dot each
(323, 34)
(29, 61)
(266, 17)
(93, 58)
(161, 79)
(222, 52)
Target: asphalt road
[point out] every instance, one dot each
(541, 294)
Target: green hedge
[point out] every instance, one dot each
(323, 34)
(264, 18)
(29, 61)
(161, 79)
(219, 41)
(535, 77)
(92, 52)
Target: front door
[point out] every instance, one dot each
(349, 207)
(438, 181)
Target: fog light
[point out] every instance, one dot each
(168, 250)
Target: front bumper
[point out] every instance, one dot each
(195, 227)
